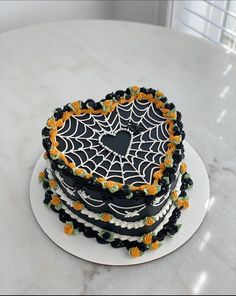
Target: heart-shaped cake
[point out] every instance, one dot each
(115, 168)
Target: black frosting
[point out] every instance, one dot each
(134, 128)
(118, 199)
(74, 137)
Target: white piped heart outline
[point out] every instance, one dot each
(114, 134)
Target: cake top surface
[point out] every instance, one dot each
(127, 139)
(125, 146)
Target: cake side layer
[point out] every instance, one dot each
(142, 243)
(124, 209)
(110, 223)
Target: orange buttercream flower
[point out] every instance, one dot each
(159, 93)
(88, 176)
(78, 206)
(122, 100)
(159, 104)
(158, 175)
(66, 115)
(151, 189)
(72, 165)
(69, 229)
(134, 90)
(53, 133)
(51, 122)
(155, 246)
(110, 184)
(149, 221)
(168, 161)
(185, 203)
(76, 105)
(172, 115)
(162, 166)
(108, 104)
(42, 176)
(56, 201)
(53, 183)
(59, 123)
(147, 239)
(54, 151)
(135, 252)
(174, 195)
(175, 139)
(183, 168)
(100, 180)
(143, 187)
(106, 217)
(80, 172)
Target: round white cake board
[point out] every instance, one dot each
(89, 249)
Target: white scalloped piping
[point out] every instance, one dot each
(115, 221)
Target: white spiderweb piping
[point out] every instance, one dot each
(79, 140)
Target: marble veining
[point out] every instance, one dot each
(46, 66)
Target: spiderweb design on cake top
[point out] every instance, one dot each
(80, 139)
(74, 136)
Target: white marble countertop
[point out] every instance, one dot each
(46, 66)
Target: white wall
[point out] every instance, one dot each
(15, 14)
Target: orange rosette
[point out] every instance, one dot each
(158, 175)
(159, 104)
(183, 168)
(55, 201)
(69, 229)
(51, 122)
(100, 180)
(175, 139)
(135, 252)
(151, 190)
(54, 151)
(59, 122)
(78, 206)
(110, 184)
(147, 239)
(88, 176)
(149, 221)
(174, 195)
(155, 246)
(71, 165)
(42, 176)
(162, 167)
(106, 217)
(122, 100)
(185, 203)
(76, 106)
(134, 90)
(66, 115)
(158, 94)
(53, 183)
(182, 203)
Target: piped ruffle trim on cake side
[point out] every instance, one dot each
(137, 246)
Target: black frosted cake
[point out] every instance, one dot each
(115, 168)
